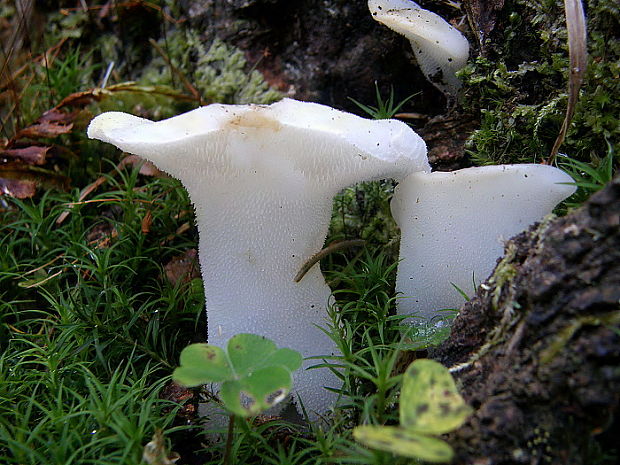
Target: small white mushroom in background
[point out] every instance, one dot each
(440, 49)
(262, 180)
(453, 224)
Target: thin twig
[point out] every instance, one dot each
(43, 281)
(188, 85)
(42, 266)
(84, 202)
(95, 185)
(106, 76)
(410, 116)
(331, 248)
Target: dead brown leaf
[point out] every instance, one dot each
(145, 225)
(482, 15)
(446, 136)
(44, 129)
(20, 179)
(18, 188)
(155, 452)
(33, 155)
(181, 395)
(56, 116)
(146, 167)
(183, 268)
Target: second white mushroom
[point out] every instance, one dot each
(453, 226)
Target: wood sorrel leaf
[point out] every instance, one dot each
(404, 442)
(429, 400)
(201, 364)
(254, 373)
(249, 352)
(256, 392)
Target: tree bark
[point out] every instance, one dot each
(316, 50)
(537, 351)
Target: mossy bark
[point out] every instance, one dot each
(537, 351)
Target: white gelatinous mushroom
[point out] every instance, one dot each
(262, 180)
(453, 224)
(440, 49)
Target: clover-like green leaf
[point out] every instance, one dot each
(288, 358)
(254, 373)
(201, 364)
(249, 352)
(429, 400)
(404, 442)
(257, 391)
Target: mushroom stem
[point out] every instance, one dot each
(237, 235)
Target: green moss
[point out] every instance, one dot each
(63, 25)
(503, 276)
(363, 212)
(563, 337)
(220, 76)
(519, 88)
(220, 73)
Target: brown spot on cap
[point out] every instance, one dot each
(256, 119)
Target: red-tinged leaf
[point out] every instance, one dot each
(45, 129)
(149, 169)
(56, 116)
(18, 188)
(105, 10)
(33, 155)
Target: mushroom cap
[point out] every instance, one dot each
(440, 49)
(288, 140)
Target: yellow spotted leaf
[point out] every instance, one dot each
(429, 400)
(404, 442)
